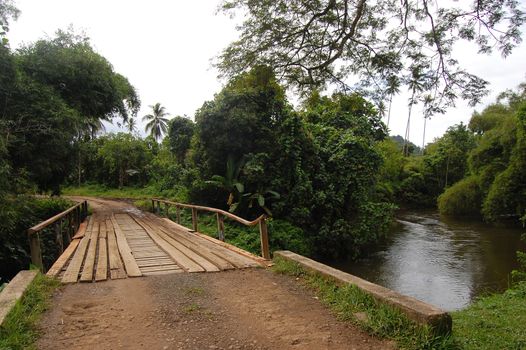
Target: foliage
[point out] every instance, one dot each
(519, 275)
(348, 302)
(157, 122)
(19, 330)
(55, 92)
(383, 44)
(124, 156)
(493, 322)
(180, 132)
(418, 180)
(321, 161)
(463, 198)
(17, 214)
(497, 162)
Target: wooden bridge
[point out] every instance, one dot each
(121, 244)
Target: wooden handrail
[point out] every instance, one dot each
(72, 217)
(261, 220)
(213, 210)
(51, 220)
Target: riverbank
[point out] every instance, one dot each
(493, 322)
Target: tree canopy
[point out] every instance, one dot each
(54, 92)
(382, 44)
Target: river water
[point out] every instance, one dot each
(442, 261)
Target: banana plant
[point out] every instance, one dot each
(261, 199)
(230, 181)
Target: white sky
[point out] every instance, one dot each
(164, 49)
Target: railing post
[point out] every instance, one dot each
(178, 214)
(220, 227)
(36, 253)
(153, 206)
(263, 235)
(194, 219)
(59, 237)
(158, 208)
(166, 210)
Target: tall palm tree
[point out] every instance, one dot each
(157, 123)
(131, 125)
(393, 88)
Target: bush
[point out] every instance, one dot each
(17, 214)
(463, 198)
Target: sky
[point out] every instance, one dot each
(165, 49)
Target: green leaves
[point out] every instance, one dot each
(375, 48)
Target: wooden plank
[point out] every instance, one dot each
(162, 268)
(102, 261)
(201, 260)
(155, 263)
(166, 272)
(221, 263)
(181, 259)
(113, 252)
(130, 264)
(82, 230)
(217, 247)
(89, 263)
(104, 229)
(72, 272)
(61, 261)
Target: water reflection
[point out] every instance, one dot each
(442, 261)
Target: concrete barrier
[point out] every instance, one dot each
(14, 291)
(414, 309)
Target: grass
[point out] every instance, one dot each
(493, 322)
(19, 328)
(351, 304)
(102, 191)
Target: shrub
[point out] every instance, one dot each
(17, 214)
(463, 198)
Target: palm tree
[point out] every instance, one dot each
(131, 125)
(157, 123)
(393, 87)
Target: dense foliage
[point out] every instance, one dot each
(495, 187)
(54, 95)
(314, 167)
(17, 214)
(376, 47)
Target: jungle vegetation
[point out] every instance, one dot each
(326, 171)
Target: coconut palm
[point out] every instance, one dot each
(157, 123)
(393, 88)
(131, 125)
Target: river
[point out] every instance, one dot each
(442, 261)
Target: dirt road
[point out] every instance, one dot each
(238, 309)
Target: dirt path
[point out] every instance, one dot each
(240, 309)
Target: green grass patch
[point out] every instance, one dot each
(493, 322)
(146, 192)
(19, 328)
(351, 304)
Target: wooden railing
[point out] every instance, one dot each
(220, 217)
(65, 223)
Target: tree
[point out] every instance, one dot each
(157, 123)
(131, 125)
(496, 181)
(53, 94)
(180, 132)
(310, 44)
(124, 156)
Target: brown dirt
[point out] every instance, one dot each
(240, 309)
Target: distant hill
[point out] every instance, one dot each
(413, 149)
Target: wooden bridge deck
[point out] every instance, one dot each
(126, 245)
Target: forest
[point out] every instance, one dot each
(327, 171)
